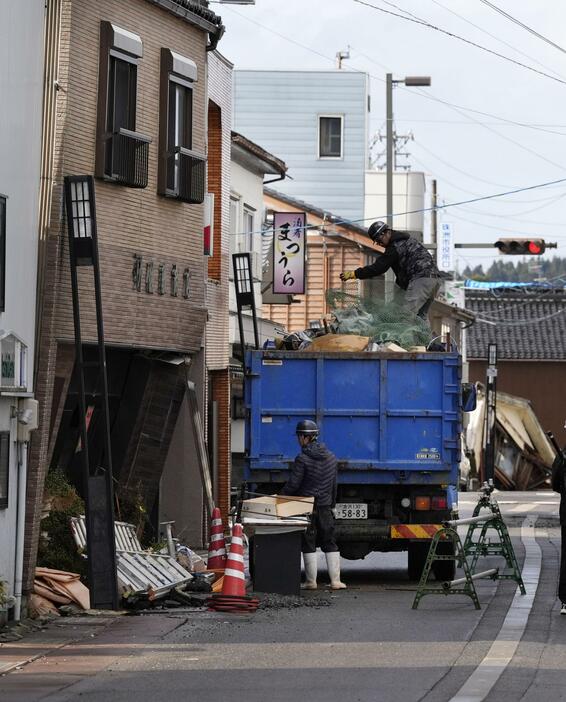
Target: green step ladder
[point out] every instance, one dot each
(474, 549)
(484, 546)
(460, 586)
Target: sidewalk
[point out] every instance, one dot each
(58, 633)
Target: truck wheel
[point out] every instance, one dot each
(417, 559)
(444, 570)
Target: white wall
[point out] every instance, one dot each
(280, 110)
(408, 196)
(21, 85)
(247, 189)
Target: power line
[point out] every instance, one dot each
(424, 94)
(493, 36)
(523, 25)
(457, 36)
(444, 206)
(434, 173)
(459, 170)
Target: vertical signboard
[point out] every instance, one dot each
(445, 251)
(289, 252)
(208, 224)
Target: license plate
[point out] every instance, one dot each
(351, 510)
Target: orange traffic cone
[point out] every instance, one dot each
(234, 578)
(217, 546)
(233, 597)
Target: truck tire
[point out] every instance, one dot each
(444, 570)
(417, 559)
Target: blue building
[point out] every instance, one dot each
(317, 122)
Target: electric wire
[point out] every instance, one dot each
(427, 95)
(523, 25)
(443, 206)
(493, 36)
(428, 25)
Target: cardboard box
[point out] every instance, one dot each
(277, 506)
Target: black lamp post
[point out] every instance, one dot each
(98, 488)
(244, 286)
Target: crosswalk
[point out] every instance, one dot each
(515, 503)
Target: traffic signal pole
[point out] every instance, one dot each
(491, 412)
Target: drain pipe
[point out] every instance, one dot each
(20, 527)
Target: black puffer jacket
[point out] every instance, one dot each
(559, 483)
(408, 258)
(314, 475)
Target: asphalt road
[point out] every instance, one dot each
(367, 646)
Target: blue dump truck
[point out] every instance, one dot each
(394, 422)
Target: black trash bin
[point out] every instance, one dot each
(277, 563)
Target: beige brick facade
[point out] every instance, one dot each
(131, 222)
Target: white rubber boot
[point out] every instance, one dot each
(333, 564)
(310, 562)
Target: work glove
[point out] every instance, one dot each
(347, 275)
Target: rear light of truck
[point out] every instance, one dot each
(439, 503)
(422, 504)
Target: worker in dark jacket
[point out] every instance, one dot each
(415, 270)
(314, 475)
(559, 485)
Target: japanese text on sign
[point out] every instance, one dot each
(289, 249)
(445, 253)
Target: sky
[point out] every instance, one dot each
(470, 154)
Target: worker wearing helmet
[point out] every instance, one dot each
(414, 268)
(314, 475)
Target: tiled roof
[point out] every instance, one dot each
(313, 209)
(277, 164)
(526, 326)
(199, 9)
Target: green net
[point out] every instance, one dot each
(374, 317)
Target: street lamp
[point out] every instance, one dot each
(413, 81)
(98, 488)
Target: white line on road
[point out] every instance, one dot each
(481, 681)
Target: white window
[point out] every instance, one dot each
(330, 136)
(249, 220)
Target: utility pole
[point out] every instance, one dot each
(434, 215)
(389, 82)
(389, 147)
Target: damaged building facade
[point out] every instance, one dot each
(126, 100)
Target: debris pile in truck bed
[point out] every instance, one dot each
(381, 321)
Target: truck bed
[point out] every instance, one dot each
(390, 418)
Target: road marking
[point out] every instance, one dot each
(481, 681)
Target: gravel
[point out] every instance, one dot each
(272, 601)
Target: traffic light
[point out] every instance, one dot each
(523, 247)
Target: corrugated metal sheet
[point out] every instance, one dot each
(279, 110)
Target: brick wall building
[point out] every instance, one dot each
(130, 107)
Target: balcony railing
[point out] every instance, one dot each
(129, 156)
(186, 173)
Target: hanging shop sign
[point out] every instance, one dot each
(289, 252)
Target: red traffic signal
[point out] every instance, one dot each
(522, 247)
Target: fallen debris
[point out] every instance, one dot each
(272, 601)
